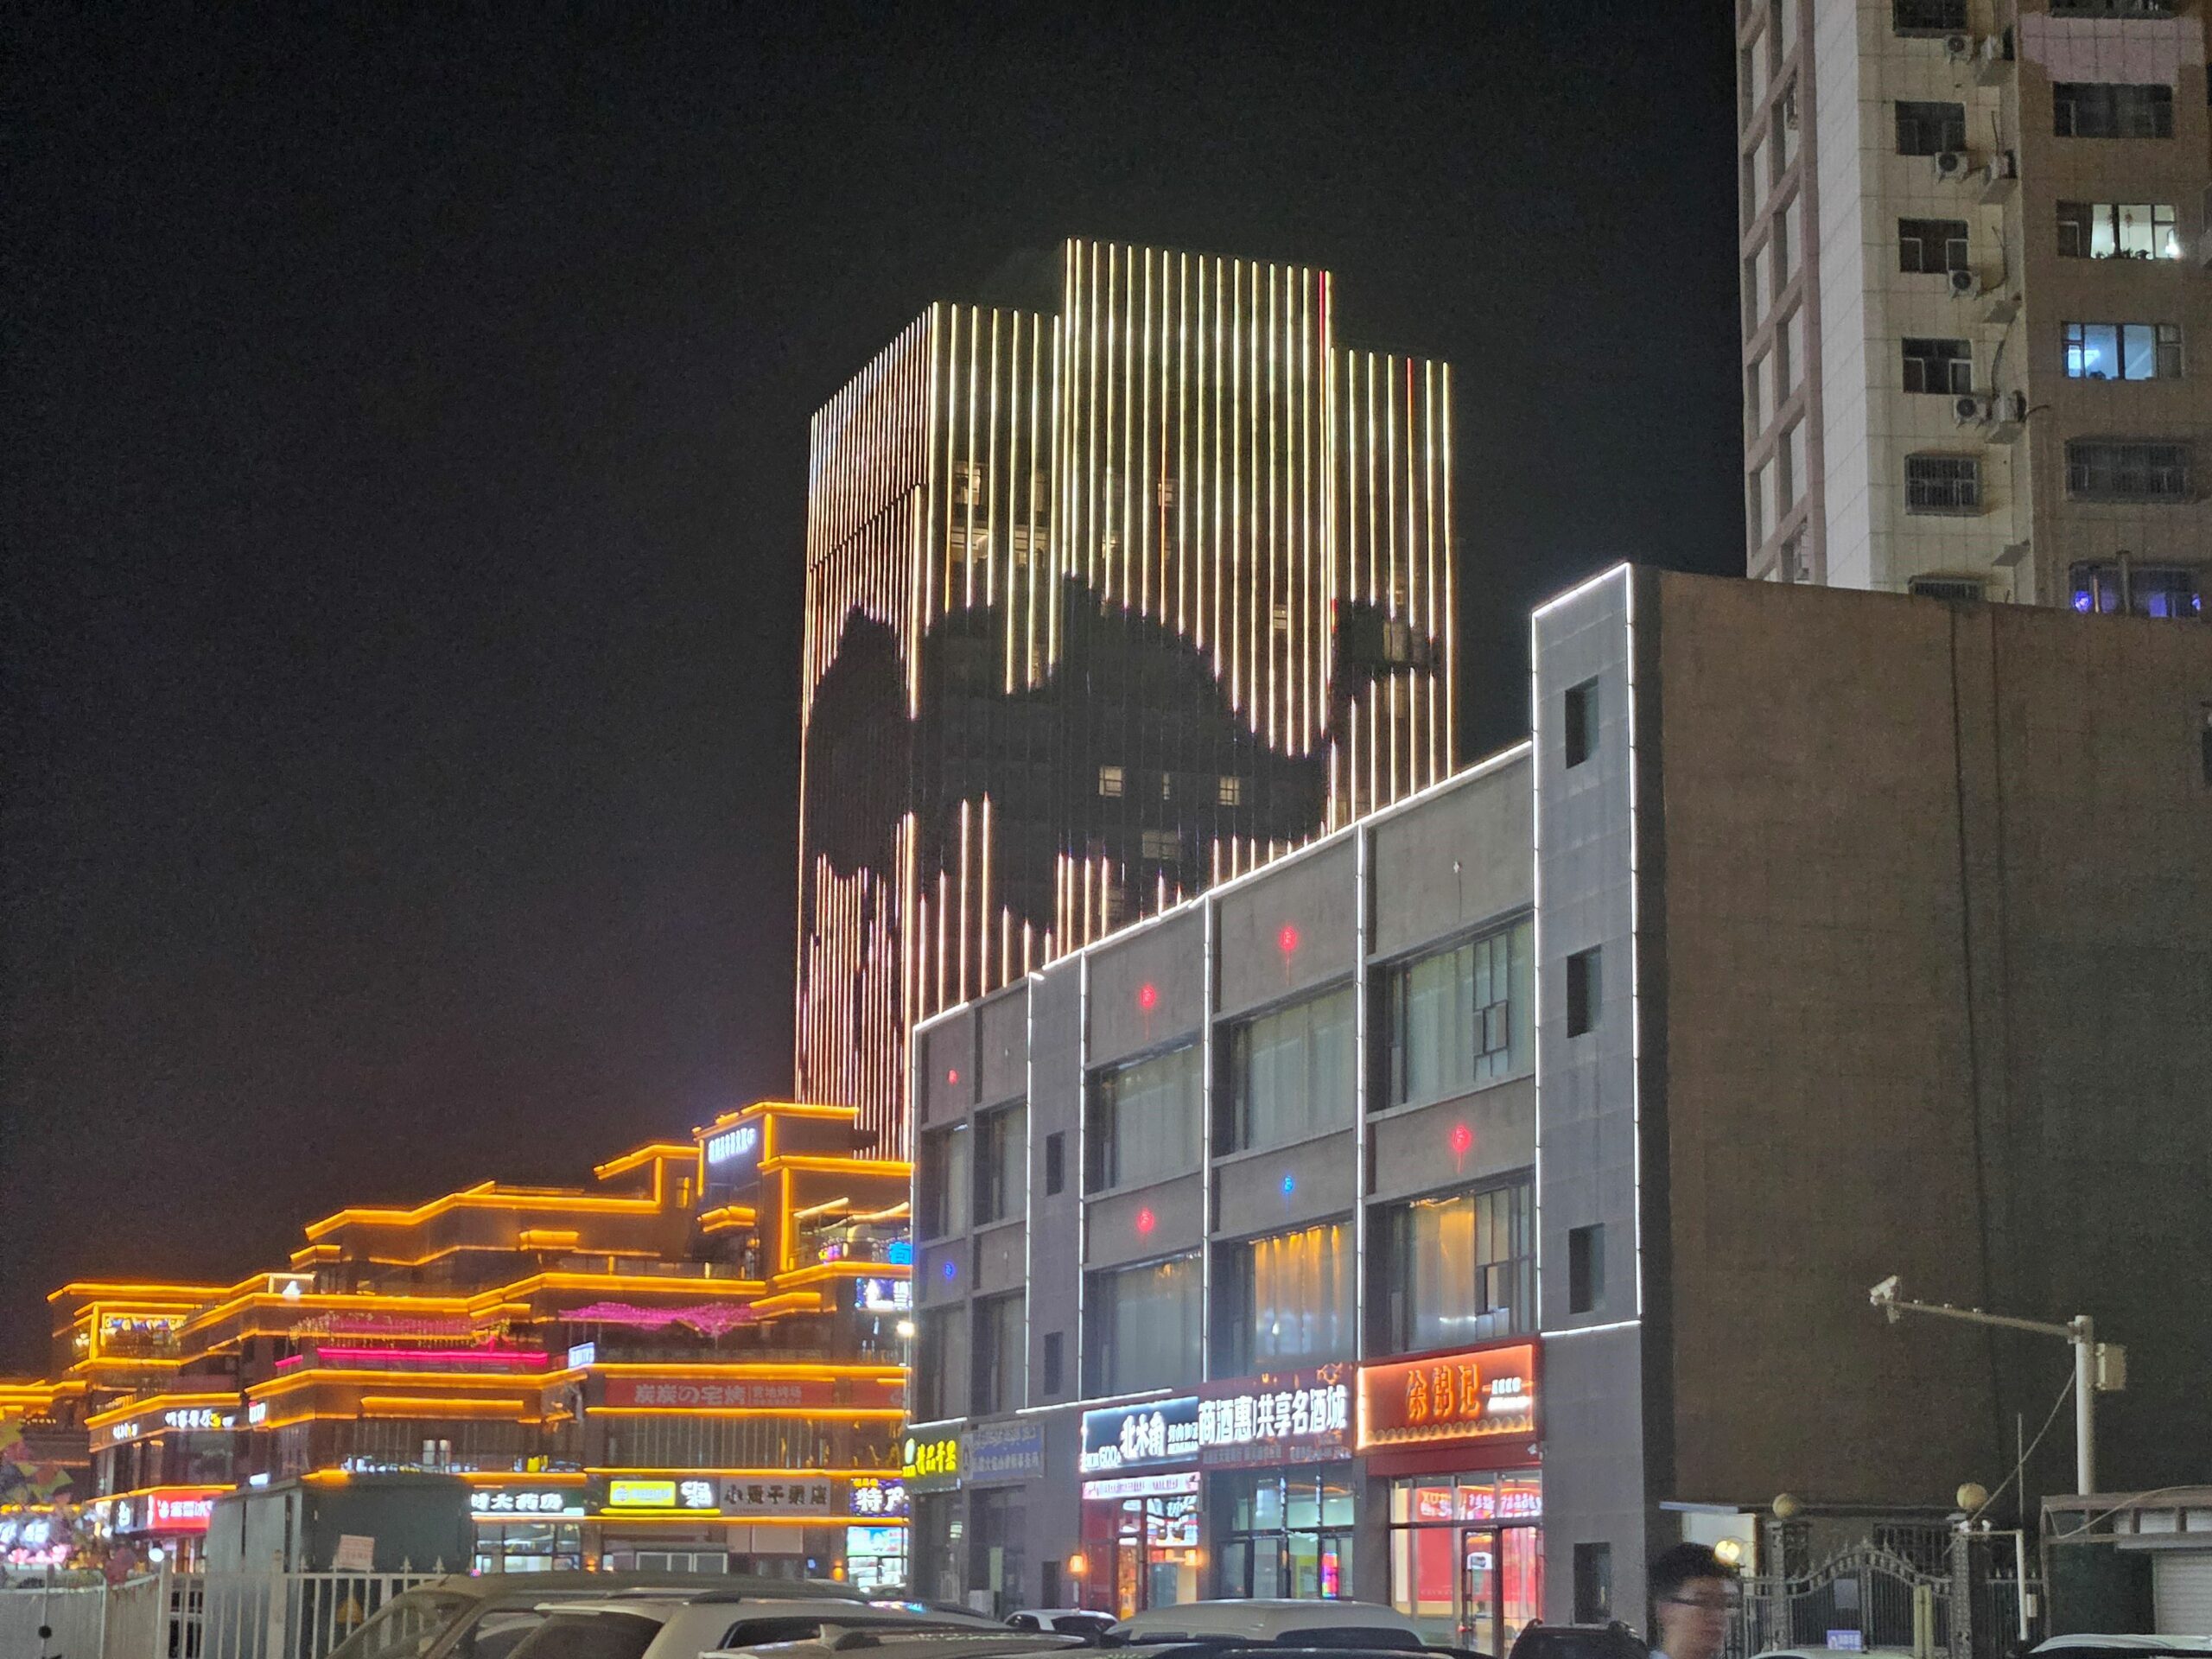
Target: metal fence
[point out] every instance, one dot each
(195, 1615)
(1869, 1596)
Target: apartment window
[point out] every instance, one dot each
(1231, 792)
(1056, 1162)
(1163, 846)
(2123, 351)
(1931, 246)
(1285, 1300)
(943, 1182)
(1928, 16)
(941, 1364)
(1140, 1327)
(1453, 1270)
(1944, 366)
(1931, 129)
(999, 1347)
(2112, 588)
(2104, 109)
(1580, 732)
(1942, 484)
(1459, 1017)
(1586, 1269)
(2111, 7)
(1793, 453)
(2117, 469)
(1582, 991)
(1290, 1073)
(1756, 402)
(1109, 782)
(1054, 1366)
(1002, 1164)
(2118, 230)
(1143, 1122)
(1790, 343)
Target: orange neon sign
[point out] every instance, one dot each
(1477, 1394)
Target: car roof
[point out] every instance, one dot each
(1263, 1619)
(949, 1641)
(566, 1581)
(2132, 1642)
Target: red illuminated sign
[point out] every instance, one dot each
(1476, 1395)
(180, 1512)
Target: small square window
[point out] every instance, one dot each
(1053, 1362)
(1109, 782)
(1581, 721)
(1056, 1163)
(1586, 1269)
(1231, 792)
(1582, 991)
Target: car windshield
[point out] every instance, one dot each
(498, 1633)
(403, 1626)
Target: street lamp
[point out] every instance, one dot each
(2098, 1367)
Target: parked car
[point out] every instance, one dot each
(465, 1617)
(649, 1625)
(2088, 1646)
(1287, 1623)
(889, 1641)
(1615, 1640)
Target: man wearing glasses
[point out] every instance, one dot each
(1692, 1592)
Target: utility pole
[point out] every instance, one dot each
(2098, 1366)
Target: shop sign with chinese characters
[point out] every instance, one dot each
(690, 1493)
(526, 1505)
(875, 1498)
(810, 1496)
(634, 1392)
(1275, 1418)
(1002, 1452)
(1142, 1436)
(1479, 1394)
(931, 1463)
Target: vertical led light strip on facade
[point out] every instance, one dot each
(1183, 446)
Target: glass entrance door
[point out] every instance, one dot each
(1478, 1589)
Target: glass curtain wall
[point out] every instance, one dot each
(1144, 1121)
(1284, 1301)
(1457, 1019)
(1466, 1556)
(1290, 1073)
(1140, 1327)
(1454, 1269)
(1285, 1535)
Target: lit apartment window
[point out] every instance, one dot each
(1931, 246)
(1928, 16)
(1143, 1122)
(2123, 351)
(1290, 1074)
(1284, 1301)
(1140, 1327)
(2108, 588)
(1163, 846)
(1944, 366)
(2105, 109)
(2124, 470)
(1931, 129)
(1942, 484)
(1449, 1271)
(1458, 1018)
(2118, 230)
(1231, 792)
(1109, 782)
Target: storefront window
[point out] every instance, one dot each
(1284, 1535)
(997, 1524)
(1143, 1551)
(1466, 1555)
(938, 1538)
(534, 1547)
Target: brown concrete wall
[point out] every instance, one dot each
(1935, 1000)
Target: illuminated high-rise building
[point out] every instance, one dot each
(1101, 605)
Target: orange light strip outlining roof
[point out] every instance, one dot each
(164, 1298)
(293, 1382)
(651, 1152)
(807, 1275)
(727, 1217)
(547, 1238)
(489, 1195)
(331, 1302)
(690, 1289)
(410, 1405)
(827, 1164)
(765, 1371)
(781, 1108)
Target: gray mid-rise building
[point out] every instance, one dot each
(1460, 1208)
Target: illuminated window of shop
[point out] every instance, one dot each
(1466, 1556)
(1142, 1125)
(1284, 1301)
(1459, 1017)
(1141, 1551)
(1455, 1270)
(1290, 1074)
(1002, 1164)
(1284, 1536)
(1140, 1327)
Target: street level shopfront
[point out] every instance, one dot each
(1141, 1535)
(1452, 1440)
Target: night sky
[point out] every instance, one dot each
(401, 500)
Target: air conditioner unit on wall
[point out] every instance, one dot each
(1951, 165)
(1958, 48)
(1973, 409)
(1965, 285)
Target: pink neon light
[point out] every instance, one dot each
(513, 1359)
(708, 1319)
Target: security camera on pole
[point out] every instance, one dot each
(2098, 1367)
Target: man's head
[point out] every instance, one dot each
(1692, 1591)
